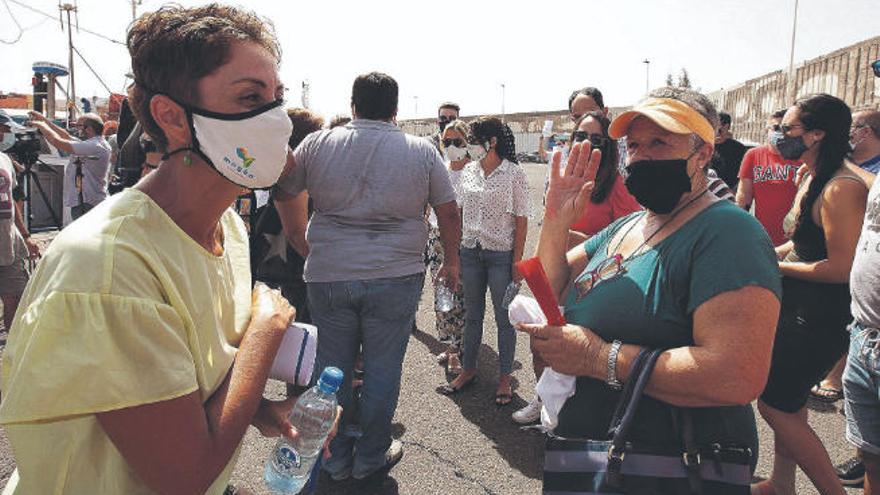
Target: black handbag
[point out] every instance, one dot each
(618, 466)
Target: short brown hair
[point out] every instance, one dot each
(449, 105)
(174, 47)
(871, 118)
(94, 121)
(304, 123)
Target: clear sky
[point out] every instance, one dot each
(465, 50)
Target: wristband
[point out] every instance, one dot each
(612, 380)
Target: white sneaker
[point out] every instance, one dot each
(528, 414)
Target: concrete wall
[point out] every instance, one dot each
(845, 73)
(526, 126)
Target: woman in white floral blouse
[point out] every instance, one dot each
(449, 324)
(494, 198)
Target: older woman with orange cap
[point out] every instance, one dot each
(691, 274)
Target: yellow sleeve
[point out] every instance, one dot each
(81, 353)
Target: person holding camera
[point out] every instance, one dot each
(87, 174)
(16, 245)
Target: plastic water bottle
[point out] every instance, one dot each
(288, 468)
(444, 299)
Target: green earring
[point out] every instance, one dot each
(187, 159)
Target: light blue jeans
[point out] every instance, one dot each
(378, 315)
(481, 268)
(861, 386)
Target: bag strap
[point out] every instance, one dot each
(641, 372)
(641, 381)
(691, 455)
(626, 393)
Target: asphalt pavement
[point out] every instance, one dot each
(465, 444)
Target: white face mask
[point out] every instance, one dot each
(477, 151)
(455, 154)
(249, 149)
(7, 142)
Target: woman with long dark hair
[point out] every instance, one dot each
(815, 265)
(494, 197)
(609, 200)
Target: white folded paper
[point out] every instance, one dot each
(553, 388)
(296, 355)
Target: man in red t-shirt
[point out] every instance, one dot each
(769, 180)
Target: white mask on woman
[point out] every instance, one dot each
(249, 149)
(456, 154)
(477, 151)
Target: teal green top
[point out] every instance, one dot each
(651, 303)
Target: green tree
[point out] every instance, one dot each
(684, 80)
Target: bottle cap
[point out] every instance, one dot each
(331, 379)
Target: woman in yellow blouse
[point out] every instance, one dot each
(139, 355)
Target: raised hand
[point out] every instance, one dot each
(570, 189)
(35, 116)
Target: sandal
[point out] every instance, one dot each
(453, 365)
(448, 389)
(504, 398)
(827, 395)
(443, 357)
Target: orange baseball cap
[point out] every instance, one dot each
(673, 115)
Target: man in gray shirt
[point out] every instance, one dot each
(370, 184)
(862, 373)
(87, 172)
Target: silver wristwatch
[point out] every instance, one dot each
(612, 380)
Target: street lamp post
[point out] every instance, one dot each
(791, 90)
(503, 95)
(647, 75)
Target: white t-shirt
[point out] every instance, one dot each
(864, 280)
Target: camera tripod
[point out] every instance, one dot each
(30, 179)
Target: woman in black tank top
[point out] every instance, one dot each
(811, 334)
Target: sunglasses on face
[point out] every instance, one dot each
(596, 140)
(786, 128)
(453, 142)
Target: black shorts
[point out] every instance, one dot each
(810, 338)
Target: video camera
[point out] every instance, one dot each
(27, 148)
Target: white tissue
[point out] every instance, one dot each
(553, 388)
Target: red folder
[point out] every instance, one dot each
(533, 272)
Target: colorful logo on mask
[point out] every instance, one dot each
(243, 154)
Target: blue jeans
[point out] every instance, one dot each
(481, 268)
(861, 387)
(378, 315)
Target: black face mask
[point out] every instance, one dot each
(443, 121)
(658, 184)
